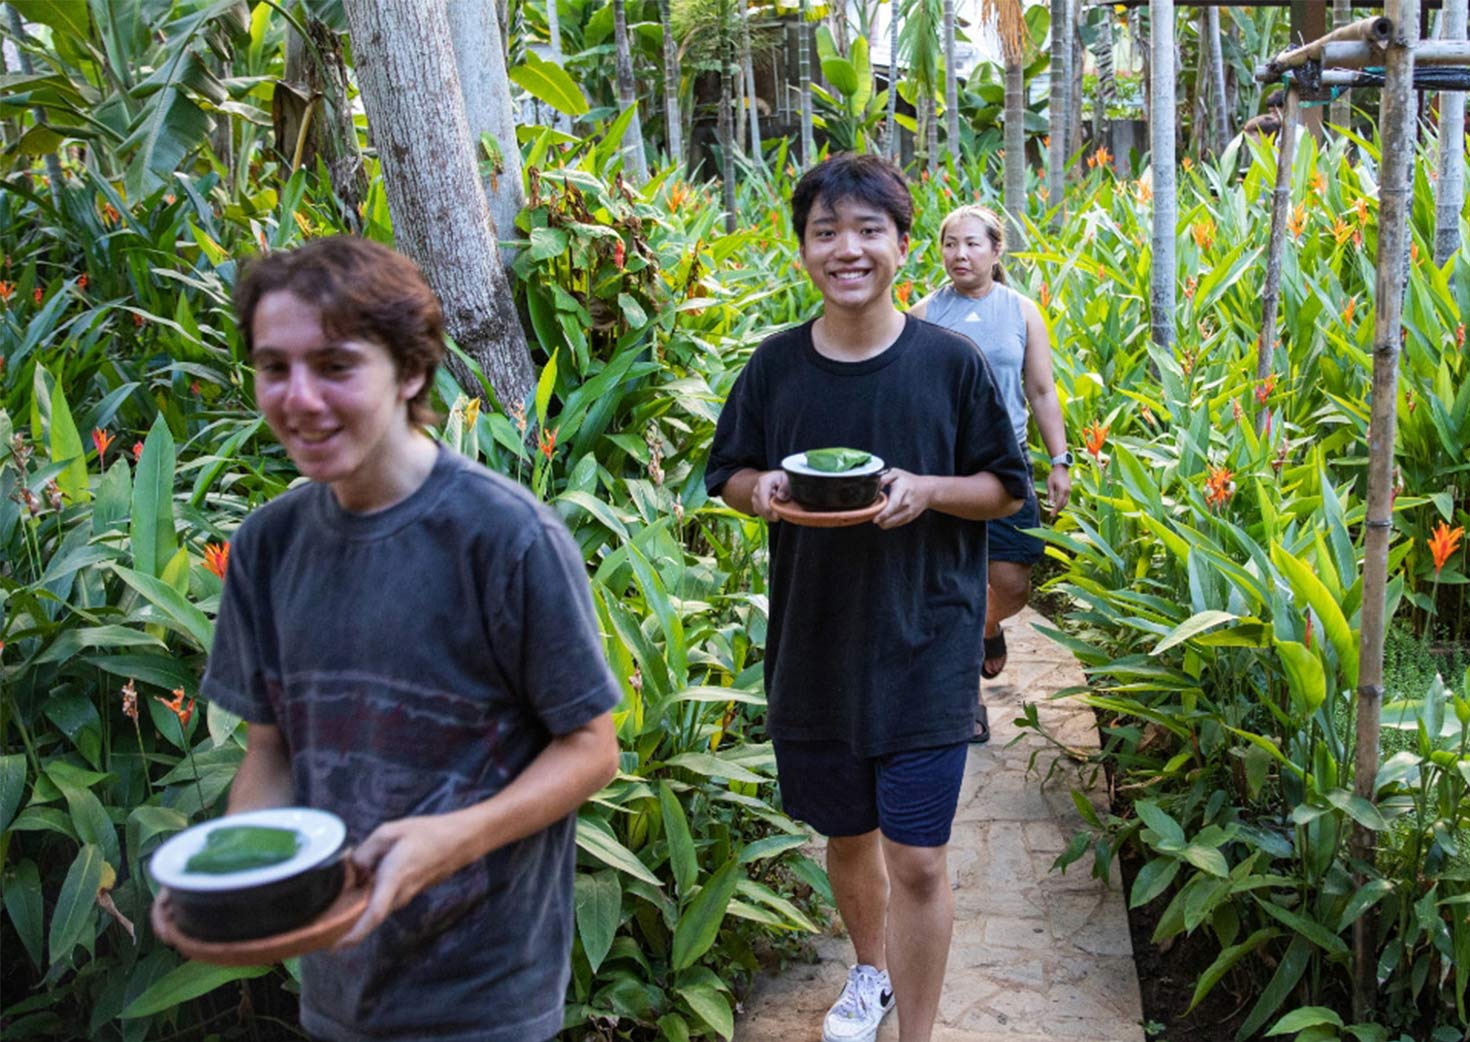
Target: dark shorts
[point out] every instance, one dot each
(1009, 543)
(911, 796)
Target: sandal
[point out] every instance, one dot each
(995, 647)
(982, 725)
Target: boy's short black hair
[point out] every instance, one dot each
(1276, 99)
(865, 178)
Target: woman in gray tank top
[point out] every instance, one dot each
(1009, 330)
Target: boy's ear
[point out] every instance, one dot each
(903, 247)
(410, 385)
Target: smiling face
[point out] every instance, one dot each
(338, 406)
(851, 251)
(970, 254)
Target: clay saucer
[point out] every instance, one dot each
(322, 932)
(787, 510)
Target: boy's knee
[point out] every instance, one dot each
(921, 871)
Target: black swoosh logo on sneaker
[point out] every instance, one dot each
(885, 997)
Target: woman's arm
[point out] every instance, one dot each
(410, 855)
(1041, 394)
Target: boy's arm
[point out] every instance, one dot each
(752, 491)
(974, 497)
(264, 777)
(410, 855)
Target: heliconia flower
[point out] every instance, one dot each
(1145, 190)
(1361, 206)
(1349, 309)
(1414, 252)
(1297, 221)
(1044, 296)
(1444, 542)
(1460, 335)
(217, 558)
(110, 214)
(619, 254)
(471, 413)
(194, 388)
(904, 290)
(1318, 183)
(176, 706)
(1235, 409)
(38, 294)
(82, 281)
(1101, 158)
(1309, 630)
(1093, 437)
(1203, 232)
(1267, 386)
(1341, 230)
(1218, 487)
(130, 701)
(137, 320)
(101, 439)
(1187, 163)
(548, 442)
(7, 290)
(1190, 285)
(137, 451)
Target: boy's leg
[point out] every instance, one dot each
(920, 922)
(855, 866)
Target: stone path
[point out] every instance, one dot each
(1037, 956)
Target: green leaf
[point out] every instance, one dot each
(76, 906)
(769, 846)
(840, 73)
(1307, 586)
(597, 839)
(545, 384)
(1305, 1017)
(1191, 626)
(1152, 880)
(711, 1007)
(65, 444)
(1206, 859)
(1364, 898)
(186, 982)
(1304, 676)
(181, 615)
(546, 81)
(632, 310)
(1225, 960)
(1288, 972)
(711, 766)
(599, 902)
(1305, 928)
(66, 16)
(546, 243)
(12, 786)
(699, 923)
(22, 897)
(87, 814)
(151, 530)
(682, 857)
(1167, 828)
(1357, 808)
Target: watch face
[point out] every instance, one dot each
(1065, 459)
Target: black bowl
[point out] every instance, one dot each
(269, 901)
(825, 492)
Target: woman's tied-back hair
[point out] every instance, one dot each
(364, 291)
(994, 227)
(866, 178)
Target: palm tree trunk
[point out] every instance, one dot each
(895, 149)
(633, 159)
(1059, 83)
(1449, 189)
(1340, 113)
(1074, 93)
(804, 79)
(1161, 163)
(1015, 149)
(1219, 107)
(479, 54)
(673, 118)
(1107, 88)
(726, 126)
(951, 86)
(1398, 127)
(747, 65)
(404, 61)
(1276, 242)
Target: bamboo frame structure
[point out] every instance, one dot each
(1161, 165)
(1280, 209)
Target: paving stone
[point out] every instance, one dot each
(1037, 956)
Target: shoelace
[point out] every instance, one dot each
(853, 1003)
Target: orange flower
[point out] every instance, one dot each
(1443, 543)
(1349, 309)
(1045, 295)
(1318, 183)
(1190, 285)
(1093, 437)
(137, 320)
(1361, 206)
(548, 442)
(110, 214)
(1414, 252)
(1309, 630)
(194, 388)
(1145, 190)
(176, 706)
(1297, 221)
(677, 194)
(1187, 163)
(7, 290)
(904, 290)
(101, 439)
(217, 558)
(82, 281)
(1460, 335)
(1101, 158)
(1341, 230)
(137, 451)
(1204, 233)
(1046, 141)
(38, 294)
(1218, 487)
(1235, 409)
(1264, 391)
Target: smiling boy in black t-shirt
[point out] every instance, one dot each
(872, 654)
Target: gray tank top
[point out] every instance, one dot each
(997, 326)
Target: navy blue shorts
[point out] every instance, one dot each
(911, 796)
(1009, 543)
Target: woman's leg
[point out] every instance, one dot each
(1010, 588)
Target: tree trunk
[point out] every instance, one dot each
(1059, 83)
(951, 86)
(804, 79)
(1015, 148)
(479, 56)
(673, 118)
(1449, 190)
(895, 142)
(313, 118)
(726, 126)
(405, 67)
(1219, 107)
(747, 67)
(1107, 88)
(1074, 92)
(1161, 164)
(634, 162)
(1340, 113)
(1398, 127)
(1280, 211)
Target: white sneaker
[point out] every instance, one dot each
(866, 999)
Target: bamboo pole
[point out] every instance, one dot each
(1358, 55)
(1219, 107)
(1341, 112)
(1280, 211)
(1397, 125)
(1449, 188)
(1441, 79)
(1365, 30)
(1162, 273)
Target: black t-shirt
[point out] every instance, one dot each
(874, 635)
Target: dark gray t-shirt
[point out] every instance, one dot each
(874, 635)
(416, 660)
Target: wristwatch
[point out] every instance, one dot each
(1063, 459)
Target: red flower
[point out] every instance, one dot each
(904, 290)
(1093, 437)
(194, 388)
(7, 290)
(1218, 487)
(38, 294)
(1264, 391)
(217, 558)
(137, 451)
(619, 254)
(1309, 629)
(548, 443)
(101, 439)
(82, 281)
(137, 320)
(1444, 542)
(176, 706)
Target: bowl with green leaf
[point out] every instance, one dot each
(254, 874)
(833, 479)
